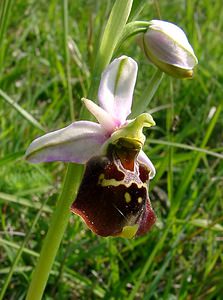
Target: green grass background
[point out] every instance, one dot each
(181, 258)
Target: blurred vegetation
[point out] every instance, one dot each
(181, 258)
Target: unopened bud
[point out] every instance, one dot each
(167, 47)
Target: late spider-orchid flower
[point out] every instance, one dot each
(113, 195)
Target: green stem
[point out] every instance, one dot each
(54, 236)
(131, 29)
(114, 28)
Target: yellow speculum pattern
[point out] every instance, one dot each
(127, 197)
(140, 200)
(113, 182)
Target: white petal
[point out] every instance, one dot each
(103, 117)
(142, 157)
(117, 86)
(77, 142)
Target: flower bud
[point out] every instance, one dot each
(167, 47)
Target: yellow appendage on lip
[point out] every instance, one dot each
(129, 231)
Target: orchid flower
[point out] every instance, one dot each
(113, 195)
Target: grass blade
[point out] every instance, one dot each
(19, 253)
(192, 167)
(26, 115)
(187, 147)
(5, 8)
(67, 56)
(25, 202)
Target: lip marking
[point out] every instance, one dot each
(127, 197)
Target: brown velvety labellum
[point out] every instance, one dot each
(113, 194)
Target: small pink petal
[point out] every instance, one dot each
(103, 117)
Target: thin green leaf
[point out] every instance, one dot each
(187, 147)
(26, 115)
(23, 201)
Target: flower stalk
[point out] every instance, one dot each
(60, 218)
(55, 233)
